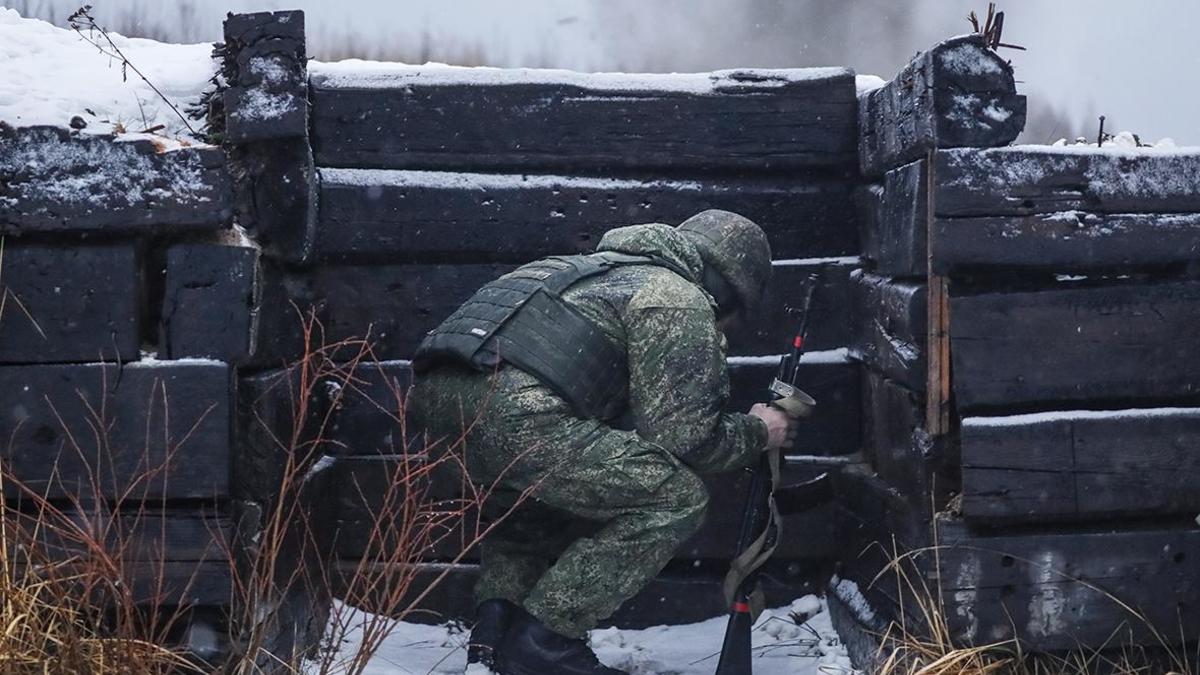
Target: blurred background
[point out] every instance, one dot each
(1129, 61)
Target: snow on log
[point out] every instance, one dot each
(372, 215)
(1024, 180)
(210, 301)
(267, 122)
(267, 96)
(1108, 343)
(890, 321)
(395, 116)
(169, 418)
(1050, 208)
(54, 181)
(1081, 465)
(1065, 241)
(957, 94)
(70, 303)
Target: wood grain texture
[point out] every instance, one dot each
(755, 120)
(1118, 343)
(1056, 591)
(210, 301)
(958, 93)
(1081, 465)
(1026, 180)
(890, 320)
(70, 303)
(435, 216)
(142, 431)
(1065, 241)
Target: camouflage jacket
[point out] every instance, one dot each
(678, 382)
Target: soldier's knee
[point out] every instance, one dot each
(689, 498)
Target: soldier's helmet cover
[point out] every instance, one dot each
(736, 248)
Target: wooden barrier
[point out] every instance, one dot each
(142, 431)
(52, 181)
(1081, 465)
(70, 303)
(396, 117)
(1125, 342)
(373, 216)
(958, 93)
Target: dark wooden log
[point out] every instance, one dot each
(534, 120)
(282, 414)
(923, 469)
(829, 377)
(53, 181)
(267, 127)
(69, 303)
(145, 430)
(1081, 465)
(369, 406)
(1116, 343)
(898, 210)
(859, 625)
(394, 306)
(958, 93)
(154, 534)
(210, 301)
(891, 319)
(1021, 181)
(677, 596)
(371, 215)
(266, 73)
(1060, 591)
(1066, 241)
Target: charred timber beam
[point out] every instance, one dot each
(529, 120)
(957, 94)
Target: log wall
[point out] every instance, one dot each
(1030, 393)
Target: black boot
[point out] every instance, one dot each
(492, 619)
(530, 648)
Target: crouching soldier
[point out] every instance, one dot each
(596, 386)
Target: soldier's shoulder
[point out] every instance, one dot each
(663, 288)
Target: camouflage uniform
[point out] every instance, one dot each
(608, 505)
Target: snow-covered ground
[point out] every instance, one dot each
(52, 74)
(781, 646)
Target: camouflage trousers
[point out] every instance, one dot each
(603, 511)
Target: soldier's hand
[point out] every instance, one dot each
(781, 428)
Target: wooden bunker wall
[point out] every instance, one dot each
(130, 303)
(1030, 390)
(417, 188)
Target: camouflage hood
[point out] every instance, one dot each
(656, 239)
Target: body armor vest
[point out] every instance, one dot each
(521, 319)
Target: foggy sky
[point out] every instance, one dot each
(1131, 61)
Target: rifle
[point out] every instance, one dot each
(759, 531)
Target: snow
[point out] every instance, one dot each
(1071, 415)
(51, 75)
(970, 59)
(839, 260)
(865, 84)
(150, 360)
(451, 180)
(360, 74)
(840, 355)
(781, 646)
